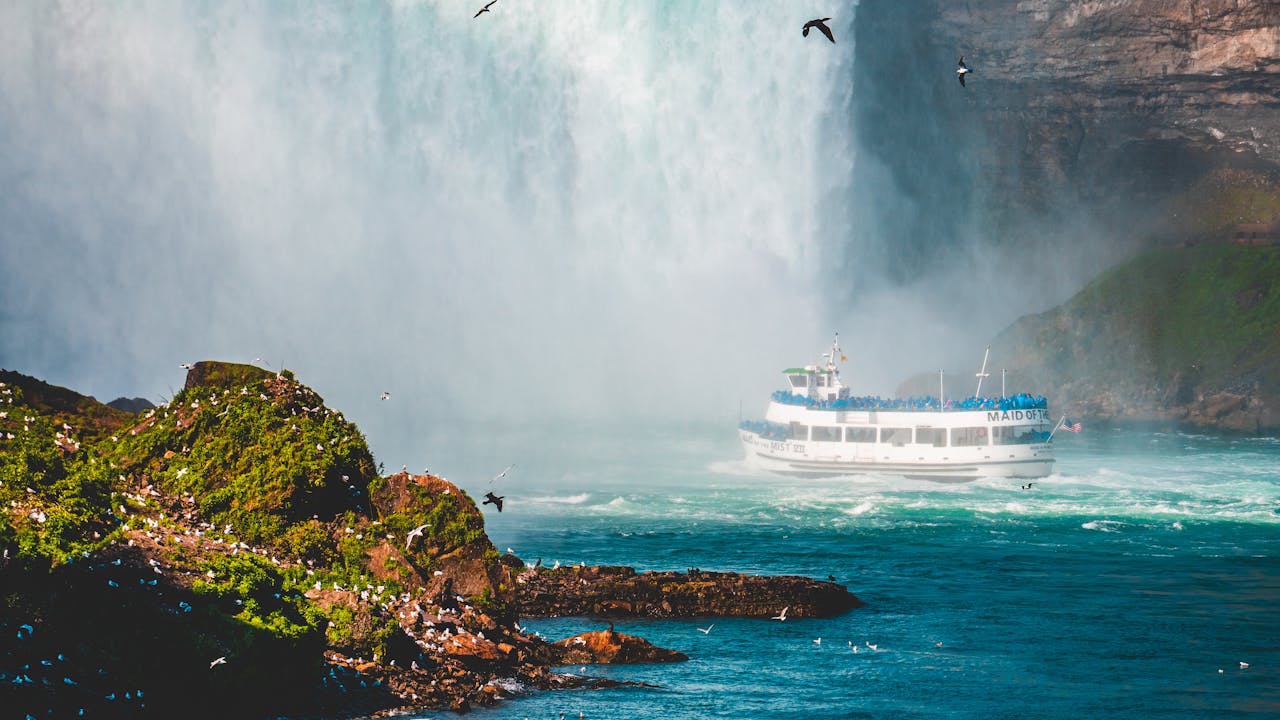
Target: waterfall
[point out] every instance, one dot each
(553, 207)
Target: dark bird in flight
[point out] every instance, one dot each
(962, 70)
(491, 499)
(484, 9)
(1028, 486)
(821, 24)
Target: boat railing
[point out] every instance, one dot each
(766, 429)
(1021, 401)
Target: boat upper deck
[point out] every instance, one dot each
(927, 403)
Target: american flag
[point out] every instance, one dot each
(1069, 427)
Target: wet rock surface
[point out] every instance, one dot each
(616, 591)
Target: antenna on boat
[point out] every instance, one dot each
(1002, 392)
(940, 393)
(982, 374)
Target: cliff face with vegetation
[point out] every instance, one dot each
(1177, 337)
(234, 552)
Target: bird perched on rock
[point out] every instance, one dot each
(494, 500)
(484, 9)
(962, 70)
(821, 24)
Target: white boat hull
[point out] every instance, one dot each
(1030, 461)
(945, 462)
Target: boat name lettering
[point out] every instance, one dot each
(1002, 415)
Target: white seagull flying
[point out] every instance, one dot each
(416, 532)
(962, 70)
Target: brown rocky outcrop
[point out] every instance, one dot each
(613, 591)
(609, 646)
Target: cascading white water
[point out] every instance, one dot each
(554, 207)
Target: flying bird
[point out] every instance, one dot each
(962, 70)
(220, 661)
(484, 9)
(707, 630)
(495, 500)
(502, 474)
(386, 395)
(782, 615)
(1028, 486)
(416, 532)
(821, 24)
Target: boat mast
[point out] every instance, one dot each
(835, 352)
(940, 393)
(983, 372)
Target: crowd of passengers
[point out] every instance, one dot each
(1021, 401)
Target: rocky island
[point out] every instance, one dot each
(235, 553)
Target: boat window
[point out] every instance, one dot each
(1020, 434)
(822, 381)
(798, 381)
(895, 436)
(860, 434)
(968, 436)
(936, 437)
(799, 432)
(826, 434)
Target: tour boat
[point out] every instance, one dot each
(814, 427)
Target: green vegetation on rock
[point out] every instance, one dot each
(242, 519)
(1153, 336)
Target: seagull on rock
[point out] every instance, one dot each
(962, 70)
(821, 24)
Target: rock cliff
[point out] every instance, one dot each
(1082, 121)
(1183, 337)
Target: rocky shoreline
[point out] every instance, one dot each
(232, 553)
(617, 591)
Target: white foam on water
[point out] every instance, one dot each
(578, 499)
(1103, 525)
(860, 509)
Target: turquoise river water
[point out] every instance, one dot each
(1133, 582)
